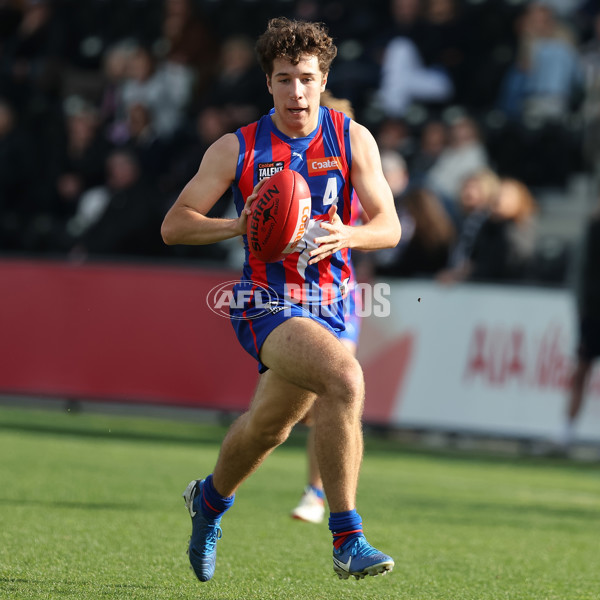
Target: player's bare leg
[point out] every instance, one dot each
(277, 406)
(311, 507)
(336, 377)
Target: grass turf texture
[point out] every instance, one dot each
(91, 508)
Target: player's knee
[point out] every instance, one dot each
(268, 433)
(348, 386)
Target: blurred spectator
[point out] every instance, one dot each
(427, 231)
(428, 235)
(546, 78)
(15, 201)
(588, 316)
(151, 151)
(433, 139)
(406, 80)
(396, 174)
(406, 20)
(115, 69)
(477, 196)
(209, 125)
(239, 87)
(395, 134)
(504, 247)
(164, 88)
(78, 162)
(405, 76)
(447, 43)
(122, 217)
(190, 42)
(94, 26)
(464, 154)
(31, 57)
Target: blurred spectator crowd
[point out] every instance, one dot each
(107, 107)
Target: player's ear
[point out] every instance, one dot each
(324, 82)
(269, 84)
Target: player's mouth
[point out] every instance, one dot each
(296, 111)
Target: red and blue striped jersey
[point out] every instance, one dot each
(324, 159)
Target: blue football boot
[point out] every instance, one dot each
(202, 550)
(359, 558)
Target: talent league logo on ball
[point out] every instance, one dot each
(242, 294)
(269, 169)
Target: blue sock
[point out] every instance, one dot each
(212, 504)
(319, 493)
(345, 526)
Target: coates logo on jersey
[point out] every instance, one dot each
(320, 166)
(270, 168)
(242, 294)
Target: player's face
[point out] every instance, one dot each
(296, 91)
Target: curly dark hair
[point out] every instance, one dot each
(291, 39)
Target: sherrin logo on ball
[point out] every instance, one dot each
(280, 215)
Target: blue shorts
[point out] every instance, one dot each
(252, 324)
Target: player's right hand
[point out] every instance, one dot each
(247, 210)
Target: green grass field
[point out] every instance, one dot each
(91, 508)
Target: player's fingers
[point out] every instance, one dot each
(332, 213)
(317, 257)
(327, 227)
(248, 206)
(326, 248)
(259, 185)
(252, 197)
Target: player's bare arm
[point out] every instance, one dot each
(186, 222)
(382, 229)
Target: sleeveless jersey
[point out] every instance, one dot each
(324, 159)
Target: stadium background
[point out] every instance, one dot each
(86, 292)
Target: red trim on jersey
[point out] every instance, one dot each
(281, 151)
(338, 121)
(316, 149)
(293, 278)
(346, 270)
(326, 278)
(245, 184)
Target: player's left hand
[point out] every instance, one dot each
(338, 238)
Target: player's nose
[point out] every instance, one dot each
(296, 89)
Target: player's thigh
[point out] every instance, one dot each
(308, 355)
